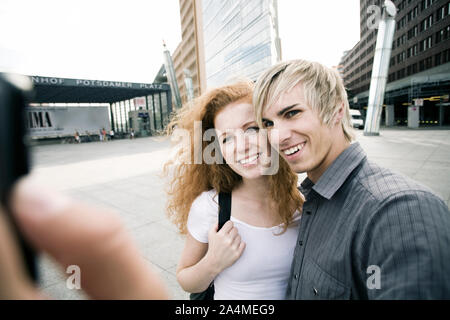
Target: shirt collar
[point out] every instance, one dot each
(336, 174)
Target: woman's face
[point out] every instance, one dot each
(239, 138)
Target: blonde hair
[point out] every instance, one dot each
(323, 87)
(189, 180)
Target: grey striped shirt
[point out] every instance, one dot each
(369, 233)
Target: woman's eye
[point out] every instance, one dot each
(226, 139)
(252, 130)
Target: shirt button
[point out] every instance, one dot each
(296, 276)
(300, 243)
(316, 293)
(308, 213)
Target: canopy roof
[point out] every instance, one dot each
(63, 90)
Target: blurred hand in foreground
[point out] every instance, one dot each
(93, 239)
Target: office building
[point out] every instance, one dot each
(240, 39)
(189, 55)
(419, 71)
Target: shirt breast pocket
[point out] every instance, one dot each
(319, 285)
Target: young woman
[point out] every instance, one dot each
(251, 256)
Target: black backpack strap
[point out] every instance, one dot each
(224, 208)
(224, 216)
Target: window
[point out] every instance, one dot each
(429, 62)
(401, 56)
(400, 74)
(439, 36)
(426, 23)
(426, 44)
(441, 13)
(413, 13)
(437, 59)
(412, 51)
(413, 32)
(421, 65)
(446, 56)
(426, 4)
(391, 77)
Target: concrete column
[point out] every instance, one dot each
(389, 114)
(413, 116)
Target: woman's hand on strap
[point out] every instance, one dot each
(225, 246)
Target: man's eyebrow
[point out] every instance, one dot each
(282, 111)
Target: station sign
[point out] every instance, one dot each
(52, 81)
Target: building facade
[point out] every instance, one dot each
(189, 55)
(240, 39)
(419, 71)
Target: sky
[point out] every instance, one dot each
(122, 40)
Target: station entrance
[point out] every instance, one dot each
(144, 108)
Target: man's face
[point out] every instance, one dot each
(303, 141)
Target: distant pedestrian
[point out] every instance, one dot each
(100, 135)
(111, 134)
(104, 134)
(132, 134)
(77, 137)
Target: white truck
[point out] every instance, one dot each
(357, 120)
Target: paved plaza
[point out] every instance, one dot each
(124, 175)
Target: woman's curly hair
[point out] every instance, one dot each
(187, 180)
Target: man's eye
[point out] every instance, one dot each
(291, 113)
(226, 139)
(267, 123)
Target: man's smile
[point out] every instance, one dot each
(290, 151)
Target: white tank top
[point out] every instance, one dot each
(262, 272)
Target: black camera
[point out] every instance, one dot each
(15, 91)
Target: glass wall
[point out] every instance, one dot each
(238, 39)
(157, 105)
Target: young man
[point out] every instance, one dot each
(366, 232)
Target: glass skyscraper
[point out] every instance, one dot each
(240, 39)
